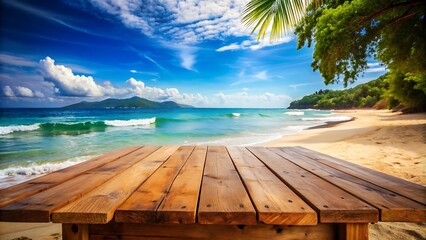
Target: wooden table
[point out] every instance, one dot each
(214, 192)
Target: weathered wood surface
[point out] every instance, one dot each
(405, 188)
(20, 191)
(181, 202)
(392, 207)
(275, 202)
(223, 198)
(38, 207)
(99, 205)
(141, 206)
(214, 187)
(209, 231)
(332, 203)
(353, 231)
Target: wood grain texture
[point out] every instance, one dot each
(405, 188)
(75, 232)
(37, 208)
(141, 206)
(275, 202)
(353, 231)
(223, 198)
(207, 231)
(23, 190)
(99, 205)
(331, 203)
(180, 204)
(393, 207)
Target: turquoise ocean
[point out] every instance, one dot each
(38, 141)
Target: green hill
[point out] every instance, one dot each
(134, 102)
(362, 96)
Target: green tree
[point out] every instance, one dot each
(348, 33)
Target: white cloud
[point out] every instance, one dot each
(232, 46)
(133, 71)
(155, 62)
(24, 92)
(188, 60)
(66, 82)
(21, 92)
(8, 92)
(38, 94)
(244, 99)
(16, 61)
(297, 85)
(254, 45)
(127, 12)
(373, 64)
(79, 69)
(259, 76)
(263, 75)
(376, 69)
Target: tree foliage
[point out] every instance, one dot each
(362, 96)
(346, 33)
(278, 16)
(349, 33)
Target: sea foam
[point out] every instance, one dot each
(37, 169)
(295, 113)
(131, 122)
(18, 128)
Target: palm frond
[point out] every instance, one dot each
(278, 16)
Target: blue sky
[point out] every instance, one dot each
(54, 53)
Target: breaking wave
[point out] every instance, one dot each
(75, 128)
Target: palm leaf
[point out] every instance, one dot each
(278, 16)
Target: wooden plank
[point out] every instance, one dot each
(23, 190)
(209, 231)
(223, 198)
(331, 203)
(75, 231)
(99, 205)
(393, 207)
(405, 188)
(107, 237)
(275, 202)
(141, 206)
(353, 231)
(180, 204)
(38, 207)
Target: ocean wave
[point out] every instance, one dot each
(236, 114)
(44, 168)
(131, 122)
(295, 113)
(72, 128)
(18, 128)
(75, 128)
(298, 127)
(329, 119)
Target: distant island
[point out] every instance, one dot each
(134, 102)
(367, 95)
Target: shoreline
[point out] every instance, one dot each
(330, 124)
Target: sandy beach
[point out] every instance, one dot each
(388, 142)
